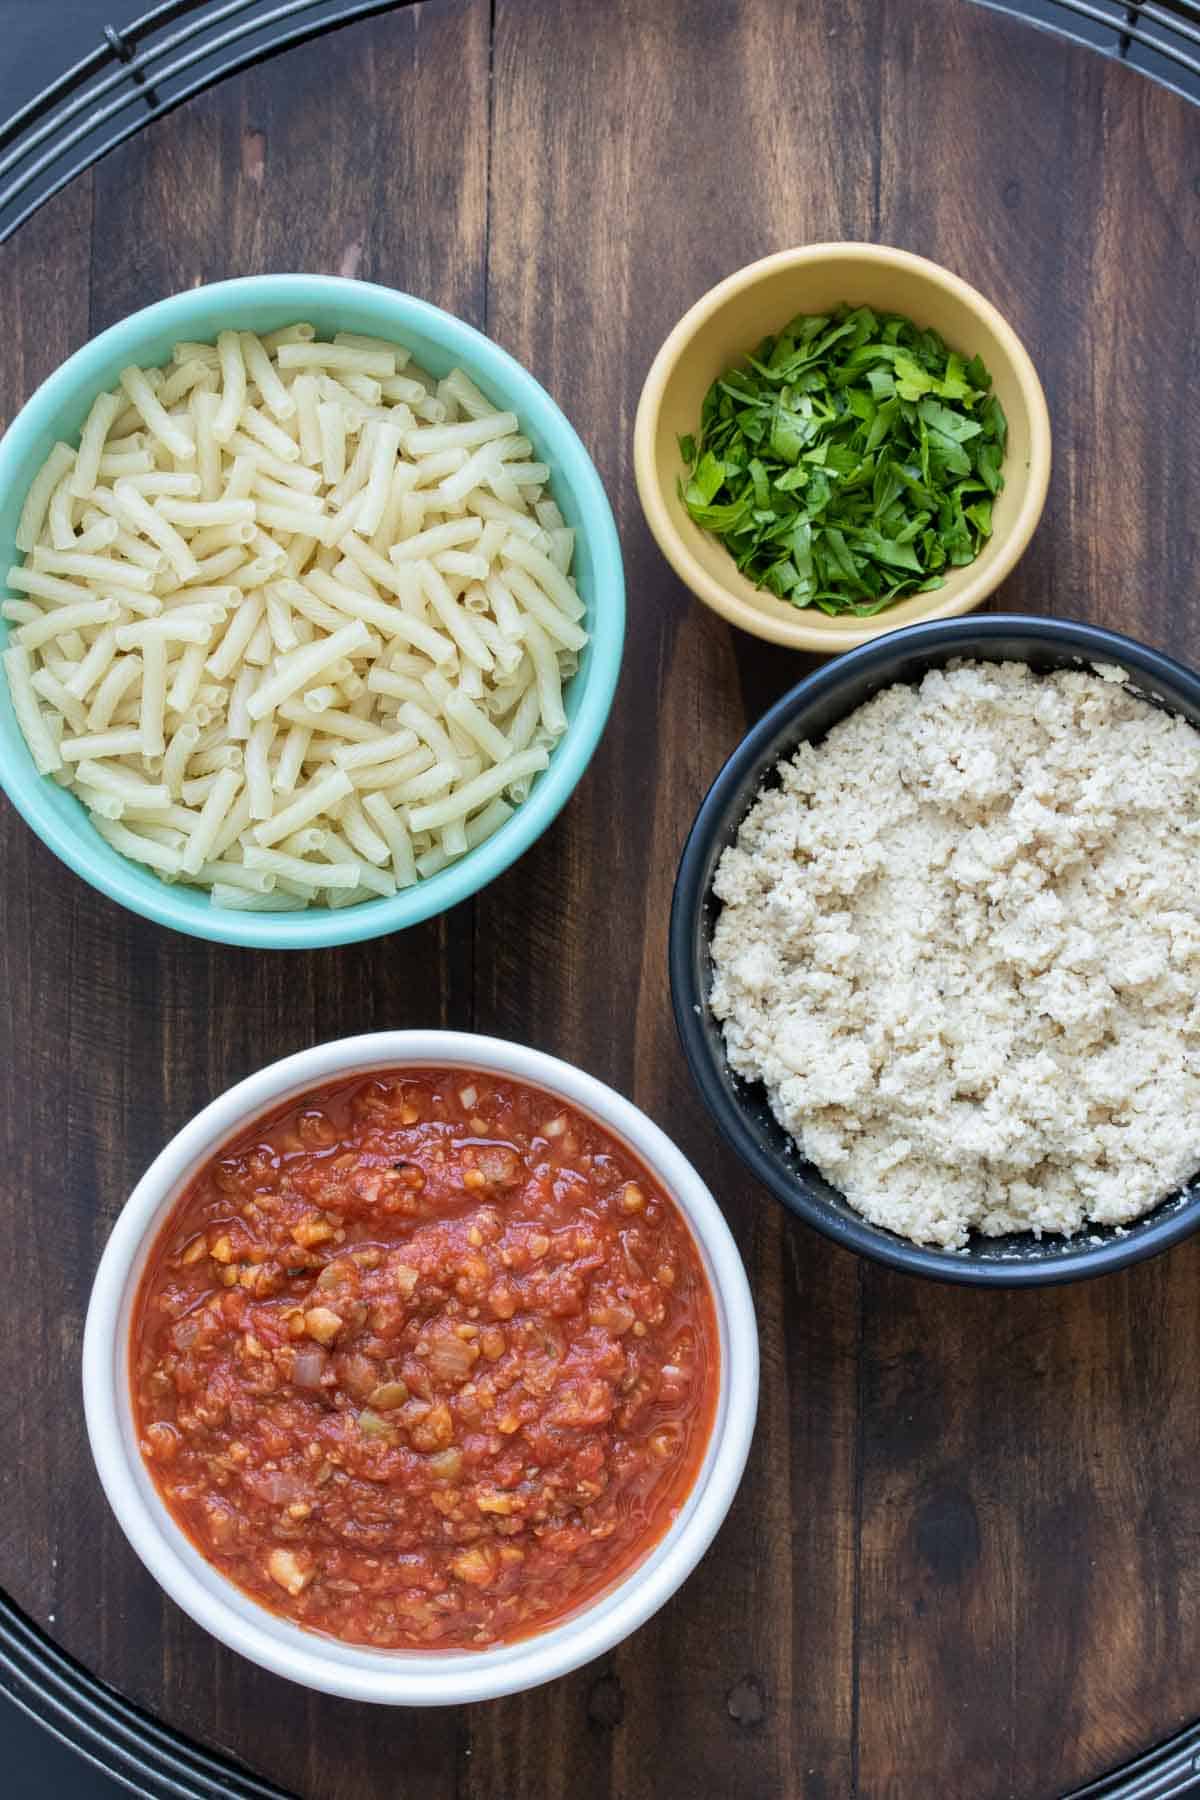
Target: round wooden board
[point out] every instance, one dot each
(964, 1559)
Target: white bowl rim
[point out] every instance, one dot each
(424, 1678)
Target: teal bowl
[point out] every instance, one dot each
(439, 342)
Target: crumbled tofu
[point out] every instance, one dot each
(960, 946)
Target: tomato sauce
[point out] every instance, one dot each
(425, 1360)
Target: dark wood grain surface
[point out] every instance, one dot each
(964, 1561)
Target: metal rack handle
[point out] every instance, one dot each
(140, 72)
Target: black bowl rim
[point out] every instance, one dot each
(1091, 642)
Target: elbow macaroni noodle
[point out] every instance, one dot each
(292, 624)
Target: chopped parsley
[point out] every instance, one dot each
(850, 461)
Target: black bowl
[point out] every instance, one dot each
(740, 1109)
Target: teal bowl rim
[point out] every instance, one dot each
(86, 853)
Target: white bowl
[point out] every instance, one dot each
(394, 1677)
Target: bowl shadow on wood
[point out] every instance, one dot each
(741, 1109)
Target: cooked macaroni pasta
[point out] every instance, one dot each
(295, 620)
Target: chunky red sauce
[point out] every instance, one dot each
(425, 1360)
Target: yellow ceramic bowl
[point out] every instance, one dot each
(732, 319)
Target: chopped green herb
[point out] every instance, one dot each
(850, 461)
